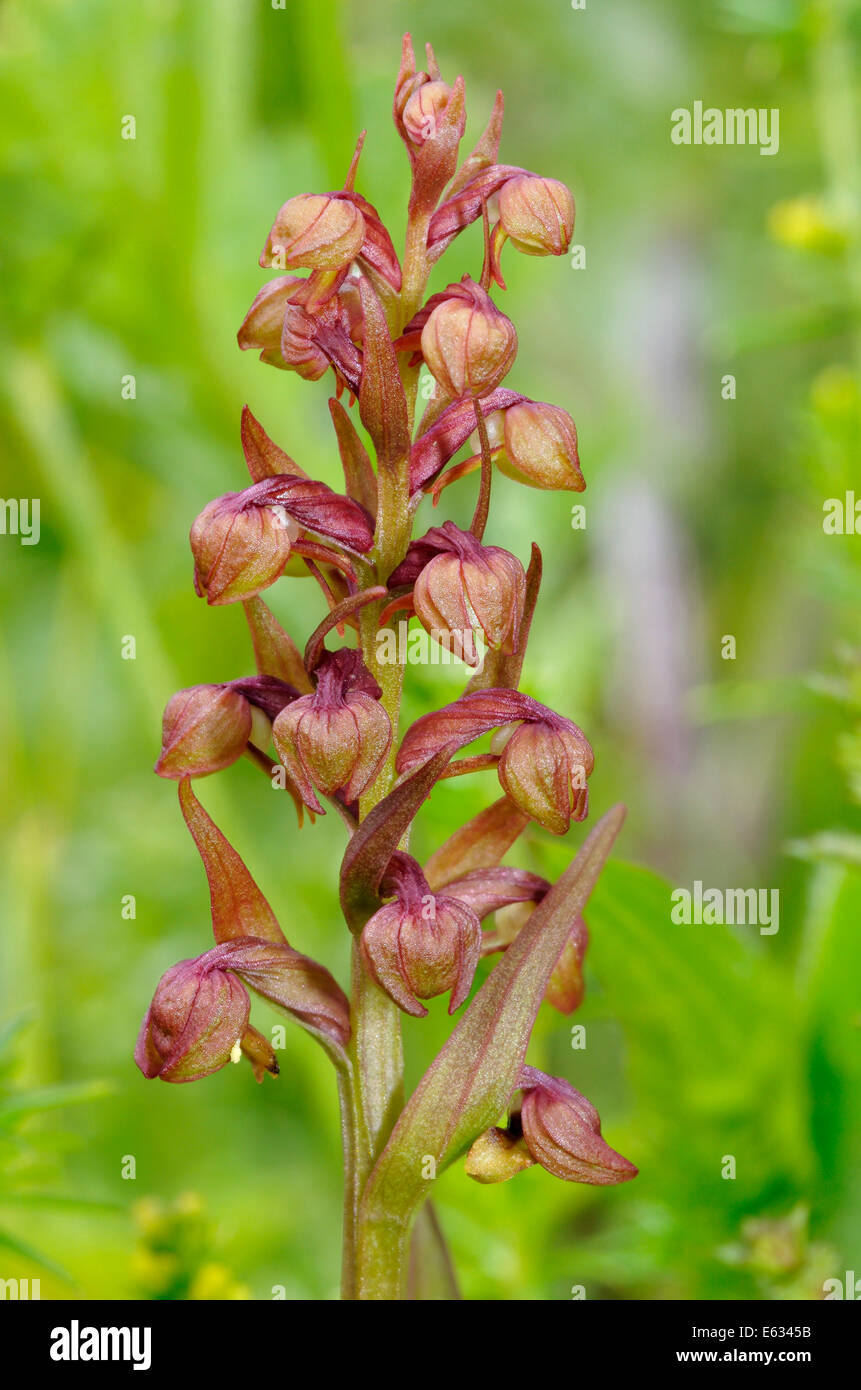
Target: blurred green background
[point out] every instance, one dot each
(704, 519)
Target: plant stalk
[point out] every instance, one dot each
(375, 1266)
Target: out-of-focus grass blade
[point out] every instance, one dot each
(18, 1107)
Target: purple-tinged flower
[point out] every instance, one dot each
(543, 766)
(538, 447)
(198, 1015)
(433, 449)
(296, 335)
(198, 1019)
(422, 944)
(468, 344)
(336, 739)
(326, 232)
(562, 1130)
(317, 231)
(462, 587)
(239, 549)
(536, 214)
(430, 117)
(207, 727)
(465, 205)
(242, 541)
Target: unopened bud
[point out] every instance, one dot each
(470, 588)
(335, 740)
(238, 549)
(424, 109)
(414, 953)
(543, 768)
(468, 344)
(205, 728)
(539, 447)
(537, 214)
(316, 231)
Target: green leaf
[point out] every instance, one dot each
(470, 1083)
(715, 1053)
(830, 972)
(59, 1201)
(29, 1252)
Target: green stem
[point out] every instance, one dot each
(373, 1098)
(383, 1261)
(352, 1187)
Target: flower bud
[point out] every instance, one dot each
(423, 110)
(315, 230)
(468, 588)
(537, 214)
(336, 739)
(543, 768)
(205, 728)
(497, 1155)
(468, 344)
(422, 946)
(539, 447)
(563, 1133)
(197, 1016)
(239, 549)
